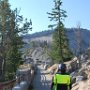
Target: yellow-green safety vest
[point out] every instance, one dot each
(62, 79)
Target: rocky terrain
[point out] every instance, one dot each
(79, 68)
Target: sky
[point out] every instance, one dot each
(36, 10)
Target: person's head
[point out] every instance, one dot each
(62, 68)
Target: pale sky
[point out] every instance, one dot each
(36, 10)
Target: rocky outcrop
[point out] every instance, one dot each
(83, 77)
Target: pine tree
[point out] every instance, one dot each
(60, 49)
(4, 13)
(11, 41)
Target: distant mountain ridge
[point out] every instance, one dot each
(70, 32)
(49, 32)
(38, 34)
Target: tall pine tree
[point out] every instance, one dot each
(60, 46)
(11, 41)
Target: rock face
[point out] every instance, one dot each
(53, 69)
(82, 81)
(40, 55)
(82, 85)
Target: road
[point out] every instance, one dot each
(42, 80)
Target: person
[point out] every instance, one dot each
(61, 80)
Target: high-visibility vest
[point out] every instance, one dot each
(62, 79)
